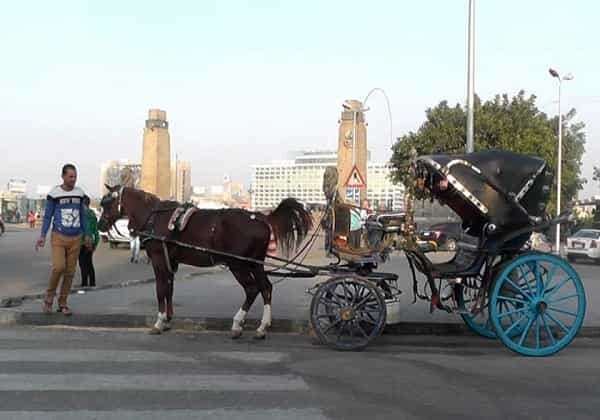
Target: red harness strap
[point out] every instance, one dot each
(272, 248)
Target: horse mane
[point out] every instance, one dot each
(146, 197)
(144, 202)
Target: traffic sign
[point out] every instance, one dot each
(355, 180)
(353, 194)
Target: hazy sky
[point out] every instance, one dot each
(243, 82)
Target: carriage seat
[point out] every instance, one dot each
(466, 262)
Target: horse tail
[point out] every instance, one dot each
(290, 223)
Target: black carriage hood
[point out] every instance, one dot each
(504, 188)
(509, 170)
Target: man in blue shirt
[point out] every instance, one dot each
(66, 213)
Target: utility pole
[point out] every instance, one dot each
(471, 76)
(568, 76)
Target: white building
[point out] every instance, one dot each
(181, 181)
(17, 186)
(199, 190)
(586, 208)
(120, 172)
(216, 190)
(302, 178)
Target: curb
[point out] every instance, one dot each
(11, 302)
(12, 318)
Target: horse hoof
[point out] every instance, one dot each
(154, 331)
(166, 327)
(236, 334)
(260, 335)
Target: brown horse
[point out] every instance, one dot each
(233, 231)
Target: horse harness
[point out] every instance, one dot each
(177, 223)
(180, 217)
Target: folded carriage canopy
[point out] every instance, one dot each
(503, 190)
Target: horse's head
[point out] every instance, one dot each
(111, 208)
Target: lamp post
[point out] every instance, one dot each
(567, 76)
(471, 76)
(387, 103)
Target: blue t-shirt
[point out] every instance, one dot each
(65, 210)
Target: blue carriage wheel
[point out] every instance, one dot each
(480, 323)
(548, 304)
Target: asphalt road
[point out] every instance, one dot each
(83, 374)
(23, 271)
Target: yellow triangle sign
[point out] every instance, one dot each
(355, 180)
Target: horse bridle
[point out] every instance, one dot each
(107, 200)
(119, 195)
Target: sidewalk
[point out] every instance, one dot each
(205, 301)
(208, 299)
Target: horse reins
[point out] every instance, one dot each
(150, 235)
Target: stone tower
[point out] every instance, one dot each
(156, 155)
(352, 153)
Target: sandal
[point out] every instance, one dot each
(65, 311)
(47, 306)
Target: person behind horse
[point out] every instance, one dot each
(86, 263)
(358, 218)
(355, 227)
(67, 215)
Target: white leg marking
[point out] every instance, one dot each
(266, 320)
(160, 321)
(238, 320)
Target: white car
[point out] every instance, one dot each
(584, 244)
(118, 234)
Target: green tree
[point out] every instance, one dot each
(502, 123)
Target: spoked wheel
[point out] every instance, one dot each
(480, 322)
(347, 313)
(551, 303)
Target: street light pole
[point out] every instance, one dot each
(559, 171)
(568, 76)
(389, 108)
(470, 76)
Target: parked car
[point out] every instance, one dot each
(445, 236)
(118, 234)
(585, 243)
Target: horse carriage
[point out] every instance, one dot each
(533, 302)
